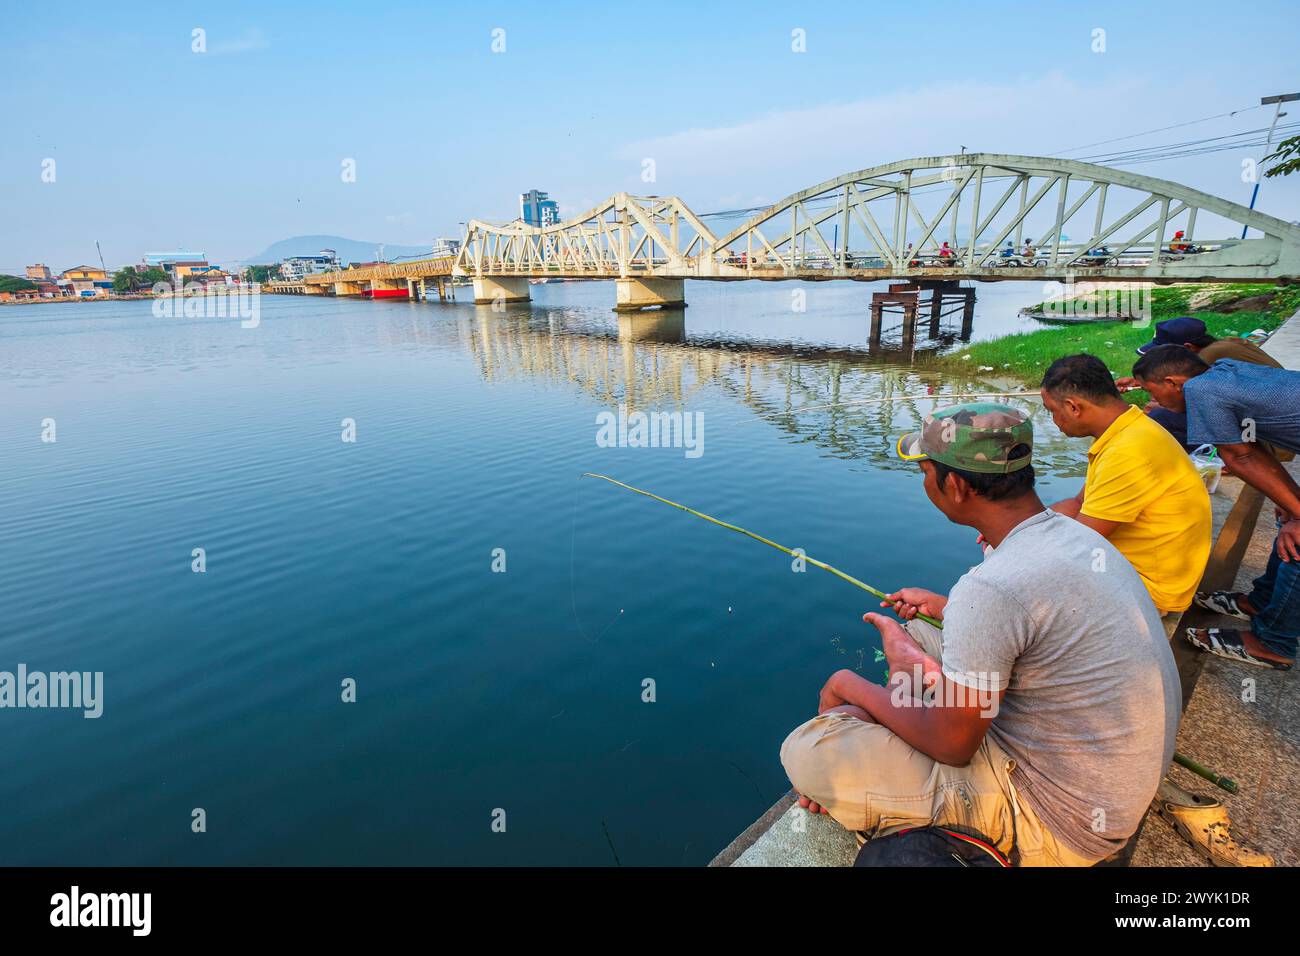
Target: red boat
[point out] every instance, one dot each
(386, 294)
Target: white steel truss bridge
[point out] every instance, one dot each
(978, 216)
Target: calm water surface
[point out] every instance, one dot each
(326, 560)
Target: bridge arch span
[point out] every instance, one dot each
(897, 217)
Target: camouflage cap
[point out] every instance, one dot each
(978, 437)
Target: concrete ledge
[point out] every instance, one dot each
(788, 835)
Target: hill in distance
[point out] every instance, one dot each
(349, 250)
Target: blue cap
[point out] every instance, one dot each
(1177, 331)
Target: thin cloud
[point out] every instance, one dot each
(788, 150)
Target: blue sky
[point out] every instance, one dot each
(157, 146)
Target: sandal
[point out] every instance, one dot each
(1203, 823)
(1222, 602)
(1229, 644)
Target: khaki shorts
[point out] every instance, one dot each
(871, 781)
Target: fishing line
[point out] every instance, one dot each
(573, 590)
(767, 541)
(1031, 396)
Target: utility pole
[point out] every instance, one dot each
(1278, 100)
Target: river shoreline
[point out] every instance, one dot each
(1026, 355)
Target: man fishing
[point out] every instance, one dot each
(1142, 492)
(1238, 407)
(1042, 716)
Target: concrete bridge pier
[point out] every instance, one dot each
(313, 289)
(415, 289)
(665, 325)
(491, 289)
(349, 288)
(388, 288)
(633, 295)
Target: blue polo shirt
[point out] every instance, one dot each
(1221, 401)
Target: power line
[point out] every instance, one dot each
(1204, 119)
(1117, 158)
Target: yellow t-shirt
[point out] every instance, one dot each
(1139, 476)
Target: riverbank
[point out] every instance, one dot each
(1026, 355)
(115, 297)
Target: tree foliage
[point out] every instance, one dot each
(126, 280)
(1285, 159)
(261, 273)
(15, 284)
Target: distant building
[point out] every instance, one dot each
(184, 270)
(86, 273)
(211, 276)
(39, 271)
(297, 267)
(86, 288)
(446, 247)
(536, 209)
(168, 261)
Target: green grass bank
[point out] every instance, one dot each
(1026, 355)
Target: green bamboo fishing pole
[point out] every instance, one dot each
(767, 541)
(1190, 764)
(1203, 771)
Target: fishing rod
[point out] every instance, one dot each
(1032, 396)
(1188, 762)
(758, 537)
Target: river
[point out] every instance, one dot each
(482, 695)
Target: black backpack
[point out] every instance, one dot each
(930, 846)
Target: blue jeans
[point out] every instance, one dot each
(1276, 596)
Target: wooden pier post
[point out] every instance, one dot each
(909, 327)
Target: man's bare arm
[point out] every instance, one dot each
(1069, 506)
(948, 733)
(1259, 469)
(949, 729)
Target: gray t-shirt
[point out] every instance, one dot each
(1061, 620)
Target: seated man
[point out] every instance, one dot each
(1142, 491)
(1191, 334)
(1238, 407)
(1042, 716)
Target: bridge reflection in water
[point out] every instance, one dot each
(850, 402)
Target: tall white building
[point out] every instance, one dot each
(296, 267)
